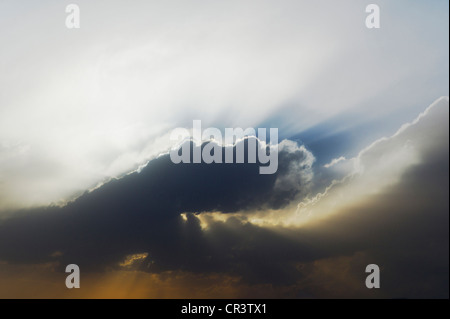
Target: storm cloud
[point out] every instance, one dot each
(141, 212)
(158, 213)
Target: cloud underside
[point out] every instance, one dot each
(154, 225)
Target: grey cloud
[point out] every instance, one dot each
(404, 228)
(141, 212)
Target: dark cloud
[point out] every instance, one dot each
(403, 229)
(141, 213)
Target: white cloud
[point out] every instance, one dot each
(335, 161)
(383, 163)
(79, 106)
(376, 168)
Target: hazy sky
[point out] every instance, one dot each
(364, 115)
(80, 105)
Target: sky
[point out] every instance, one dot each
(85, 173)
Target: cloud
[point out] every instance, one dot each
(95, 103)
(383, 163)
(401, 224)
(334, 162)
(141, 213)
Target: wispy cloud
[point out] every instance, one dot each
(96, 103)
